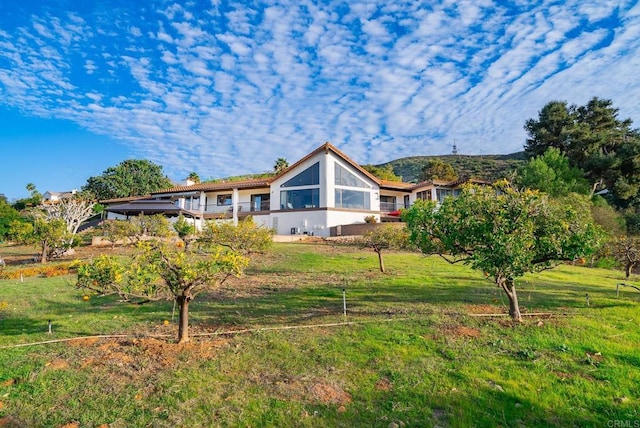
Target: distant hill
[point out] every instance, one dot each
(486, 167)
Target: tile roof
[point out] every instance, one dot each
(125, 199)
(227, 185)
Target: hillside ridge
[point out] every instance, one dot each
(486, 167)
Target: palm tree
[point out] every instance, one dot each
(194, 177)
(280, 165)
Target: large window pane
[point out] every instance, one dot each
(224, 200)
(299, 199)
(260, 202)
(308, 177)
(346, 178)
(353, 199)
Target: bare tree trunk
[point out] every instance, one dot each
(628, 269)
(380, 261)
(43, 255)
(510, 289)
(183, 322)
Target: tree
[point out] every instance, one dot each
(551, 173)
(592, 137)
(132, 177)
(32, 201)
(437, 169)
(157, 226)
(73, 211)
(8, 214)
(186, 230)
(118, 230)
(50, 236)
(552, 129)
(382, 238)
(162, 270)
(280, 165)
(193, 176)
(383, 172)
(626, 250)
(504, 232)
(246, 238)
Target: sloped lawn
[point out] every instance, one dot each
(274, 349)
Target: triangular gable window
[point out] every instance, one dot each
(345, 178)
(308, 177)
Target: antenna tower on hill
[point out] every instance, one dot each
(455, 148)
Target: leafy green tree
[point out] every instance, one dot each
(116, 231)
(32, 201)
(162, 270)
(604, 215)
(51, 237)
(157, 226)
(8, 214)
(186, 230)
(383, 172)
(551, 173)
(132, 177)
(504, 232)
(592, 137)
(437, 169)
(553, 128)
(384, 237)
(245, 238)
(280, 165)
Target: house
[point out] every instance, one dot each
(50, 197)
(322, 190)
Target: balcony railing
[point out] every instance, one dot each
(389, 207)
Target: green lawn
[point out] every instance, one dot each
(413, 355)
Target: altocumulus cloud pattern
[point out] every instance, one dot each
(226, 87)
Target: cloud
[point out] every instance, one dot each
(227, 89)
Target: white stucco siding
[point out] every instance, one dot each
(312, 221)
(336, 218)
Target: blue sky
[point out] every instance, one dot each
(223, 88)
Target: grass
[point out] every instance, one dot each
(413, 356)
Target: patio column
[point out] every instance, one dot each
(234, 201)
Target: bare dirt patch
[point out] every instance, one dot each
(384, 384)
(485, 309)
(460, 331)
(326, 393)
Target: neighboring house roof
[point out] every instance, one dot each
(150, 206)
(229, 185)
(125, 199)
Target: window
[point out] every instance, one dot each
(261, 202)
(308, 177)
(346, 178)
(224, 199)
(353, 199)
(387, 203)
(299, 199)
(445, 193)
(407, 202)
(424, 196)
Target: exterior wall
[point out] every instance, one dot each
(114, 216)
(300, 222)
(360, 229)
